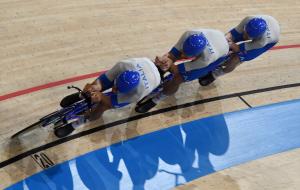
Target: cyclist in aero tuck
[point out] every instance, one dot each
(130, 80)
(206, 48)
(258, 32)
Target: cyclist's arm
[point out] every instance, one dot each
(236, 34)
(96, 85)
(176, 52)
(252, 50)
(102, 106)
(164, 62)
(106, 80)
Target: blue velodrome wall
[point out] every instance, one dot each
(178, 154)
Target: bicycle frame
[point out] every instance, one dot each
(77, 108)
(61, 116)
(68, 113)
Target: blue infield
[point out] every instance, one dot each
(178, 154)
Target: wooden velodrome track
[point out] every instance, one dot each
(47, 41)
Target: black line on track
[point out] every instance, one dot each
(243, 100)
(140, 116)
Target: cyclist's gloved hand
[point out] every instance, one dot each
(89, 88)
(163, 62)
(234, 47)
(229, 37)
(96, 97)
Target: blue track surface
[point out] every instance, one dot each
(173, 156)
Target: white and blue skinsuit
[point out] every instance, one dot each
(214, 54)
(149, 80)
(256, 47)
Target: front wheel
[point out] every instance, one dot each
(27, 129)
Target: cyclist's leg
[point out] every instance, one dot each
(170, 87)
(228, 66)
(223, 69)
(109, 101)
(76, 121)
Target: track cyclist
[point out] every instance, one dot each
(261, 33)
(129, 81)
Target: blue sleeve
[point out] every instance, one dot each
(237, 37)
(251, 54)
(197, 73)
(114, 101)
(175, 52)
(105, 82)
